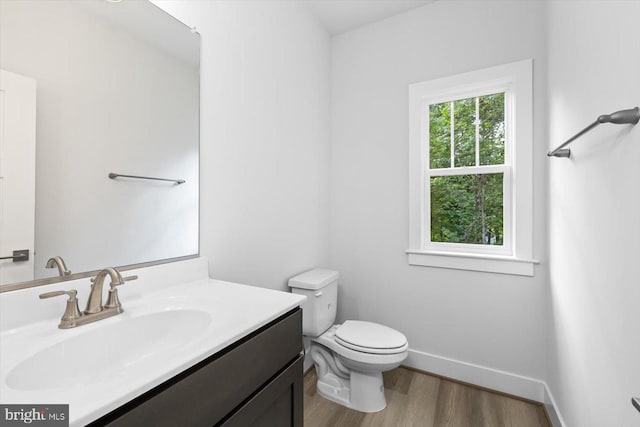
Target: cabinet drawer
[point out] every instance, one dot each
(279, 403)
(204, 394)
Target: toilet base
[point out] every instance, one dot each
(362, 392)
(348, 377)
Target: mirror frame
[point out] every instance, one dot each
(74, 276)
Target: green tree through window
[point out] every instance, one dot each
(467, 208)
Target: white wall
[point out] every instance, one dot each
(594, 227)
(103, 106)
(264, 148)
(265, 144)
(495, 321)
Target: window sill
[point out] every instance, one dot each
(472, 262)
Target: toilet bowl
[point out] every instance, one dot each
(349, 358)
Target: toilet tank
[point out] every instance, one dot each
(321, 289)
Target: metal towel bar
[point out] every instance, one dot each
(631, 116)
(18, 256)
(117, 175)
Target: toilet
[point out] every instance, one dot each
(349, 358)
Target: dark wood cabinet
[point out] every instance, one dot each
(278, 404)
(256, 381)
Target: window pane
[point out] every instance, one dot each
(440, 135)
(464, 132)
(492, 129)
(467, 209)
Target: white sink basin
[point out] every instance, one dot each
(95, 356)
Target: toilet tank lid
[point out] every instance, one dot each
(313, 279)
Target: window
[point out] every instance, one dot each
(471, 171)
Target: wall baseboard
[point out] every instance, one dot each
(489, 378)
(552, 408)
(505, 382)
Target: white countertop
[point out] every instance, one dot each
(235, 310)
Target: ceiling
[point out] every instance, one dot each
(339, 16)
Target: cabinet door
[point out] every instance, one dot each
(278, 404)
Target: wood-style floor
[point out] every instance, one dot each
(418, 399)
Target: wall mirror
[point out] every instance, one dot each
(92, 88)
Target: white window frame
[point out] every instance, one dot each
(515, 255)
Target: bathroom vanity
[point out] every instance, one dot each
(187, 350)
(255, 381)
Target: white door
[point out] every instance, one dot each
(17, 175)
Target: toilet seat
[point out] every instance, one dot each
(369, 337)
(370, 356)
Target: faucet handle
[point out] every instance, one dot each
(72, 294)
(124, 279)
(112, 298)
(71, 312)
(127, 279)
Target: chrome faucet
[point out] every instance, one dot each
(94, 311)
(57, 261)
